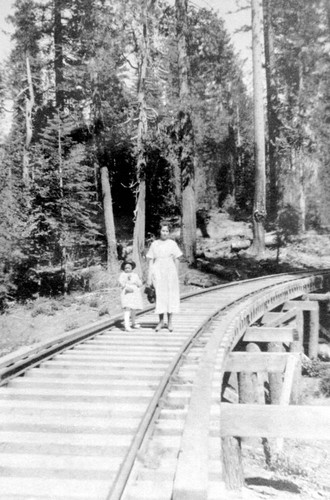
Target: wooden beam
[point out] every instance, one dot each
(278, 318)
(256, 362)
(317, 296)
(313, 331)
(324, 332)
(230, 395)
(305, 305)
(270, 334)
(293, 421)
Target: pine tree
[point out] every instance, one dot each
(259, 205)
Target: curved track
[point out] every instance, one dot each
(104, 414)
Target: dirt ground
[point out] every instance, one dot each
(302, 470)
(45, 318)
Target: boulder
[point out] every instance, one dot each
(324, 351)
(220, 226)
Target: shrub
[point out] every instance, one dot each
(288, 222)
(56, 306)
(229, 204)
(42, 308)
(104, 310)
(325, 386)
(66, 302)
(94, 302)
(311, 367)
(71, 326)
(96, 278)
(286, 465)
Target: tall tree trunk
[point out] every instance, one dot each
(298, 166)
(103, 172)
(232, 161)
(186, 139)
(140, 210)
(301, 163)
(112, 263)
(259, 206)
(272, 117)
(29, 105)
(60, 160)
(58, 61)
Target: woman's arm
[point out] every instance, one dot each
(150, 258)
(177, 264)
(149, 277)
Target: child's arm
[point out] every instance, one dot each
(124, 283)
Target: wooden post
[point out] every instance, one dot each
(297, 346)
(275, 379)
(231, 453)
(247, 392)
(258, 381)
(232, 463)
(313, 340)
(258, 378)
(275, 392)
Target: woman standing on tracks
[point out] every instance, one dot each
(163, 273)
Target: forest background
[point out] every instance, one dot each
(125, 113)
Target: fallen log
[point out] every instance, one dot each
(217, 269)
(271, 240)
(238, 245)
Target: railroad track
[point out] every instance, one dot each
(104, 414)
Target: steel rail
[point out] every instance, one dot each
(16, 363)
(208, 362)
(220, 345)
(273, 291)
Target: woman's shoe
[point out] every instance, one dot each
(128, 329)
(170, 328)
(159, 327)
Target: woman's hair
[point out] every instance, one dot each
(164, 223)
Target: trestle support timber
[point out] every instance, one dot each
(310, 310)
(274, 421)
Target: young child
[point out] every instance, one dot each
(131, 297)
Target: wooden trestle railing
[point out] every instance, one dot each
(285, 334)
(275, 319)
(283, 320)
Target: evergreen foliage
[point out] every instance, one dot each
(78, 109)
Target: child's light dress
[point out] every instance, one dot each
(130, 300)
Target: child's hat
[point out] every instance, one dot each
(130, 262)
